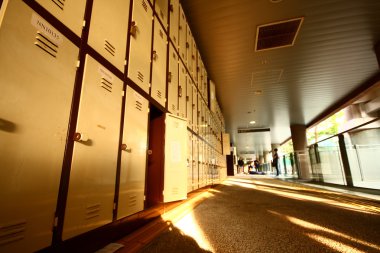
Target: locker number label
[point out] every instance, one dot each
(46, 29)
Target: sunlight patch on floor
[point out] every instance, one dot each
(324, 240)
(189, 226)
(359, 207)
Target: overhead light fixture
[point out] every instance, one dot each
(258, 92)
(275, 1)
(252, 122)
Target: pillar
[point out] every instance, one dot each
(300, 149)
(377, 51)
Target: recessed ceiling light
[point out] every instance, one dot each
(258, 92)
(252, 122)
(275, 1)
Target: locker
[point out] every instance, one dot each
(199, 116)
(205, 86)
(133, 155)
(182, 91)
(140, 44)
(189, 162)
(175, 170)
(199, 72)
(161, 7)
(90, 197)
(109, 30)
(31, 152)
(173, 81)
(158, 91)
(182, 35)
(200, 164)
(174, 22)
(194, 57)
(189, 49)
(195, 163)
(69, 12)
(194, 108)
(189, 102)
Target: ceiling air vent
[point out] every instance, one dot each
(277, 34)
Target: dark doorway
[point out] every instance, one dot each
(156, 154)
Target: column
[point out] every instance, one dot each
(300, 149)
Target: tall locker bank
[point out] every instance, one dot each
(182, 30)
(90, 199)
(175, 169)
(69, 12)
(109, 30)
(161, 7)
(140, 44)
(158, 91)
(189, 49)
(37, 84)
(174, 22)
(133, 155)
(189, 162)
(195, 163)
(189, 102)
(182, 91)
(194, 108)
(173, 81)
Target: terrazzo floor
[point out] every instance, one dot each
(254, 213)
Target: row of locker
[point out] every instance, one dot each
(38, 68)
(110, 27)
(205, 165)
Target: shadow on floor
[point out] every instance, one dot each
(173, 241)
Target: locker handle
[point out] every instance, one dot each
(171, 8)
(155, 55)
(125, 148)
(80, 137)
(169, 77)
(180, 91)
(133, 30)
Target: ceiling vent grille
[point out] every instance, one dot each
(277, 35)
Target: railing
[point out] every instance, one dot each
(350, 158)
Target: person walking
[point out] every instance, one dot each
(275, 161)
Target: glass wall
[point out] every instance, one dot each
(330, 165)
(363, 151)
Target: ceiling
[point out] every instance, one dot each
(332, 55)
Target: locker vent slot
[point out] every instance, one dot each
(12, 232)
(161, 34)
(140, 76)
(92, 211)
(175, 191)
(173, 107)
(174, 55)
(161, 14)
(138, 105)
(132, 200)
(174, 39)
(159, 94)
(46, 44)
(145, 6)
(109, 48)
(105, 84)
(59, 3)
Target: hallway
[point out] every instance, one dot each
(262, 214)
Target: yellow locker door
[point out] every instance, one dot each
(175, 170)
(140, 44)
(90, 199)
(133, 156)
(109, 30)
(69, 12)
(36, 83)
(173, 81)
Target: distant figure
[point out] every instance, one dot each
(256, 163)
(275, 161)
(241, 165)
